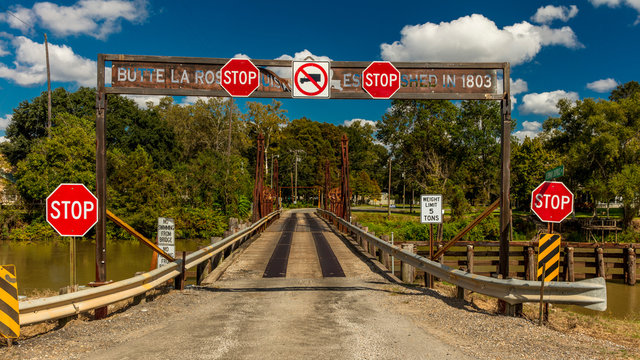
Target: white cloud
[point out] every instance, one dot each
(241, 56)
(546, 14)
(529, 129)
(97, 18)
(142, 100)
(475, 38)
(4, 121)
(3, 139)
(301, 55)
(545, 103)
(634, 4)
(30, 64)
(348, 123)
(602, 86)
(518, 86)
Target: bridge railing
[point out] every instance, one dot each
(590, 293)
(61, 306)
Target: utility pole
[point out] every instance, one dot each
(46, 50)
(389, 194)
(295, 167)
(403, 191)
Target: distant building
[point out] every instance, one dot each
(382, 201)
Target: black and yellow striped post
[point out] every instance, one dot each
(549, 257)
(9, 314)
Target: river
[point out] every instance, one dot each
(45, 266)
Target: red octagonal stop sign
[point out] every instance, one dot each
(381, 79)
(240, 77)
(552, 201)
(72, 209)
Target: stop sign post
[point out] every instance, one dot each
(239, 77)
(552, 201)
(72, 210)
(381, 79)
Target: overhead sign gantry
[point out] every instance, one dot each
(188, 76)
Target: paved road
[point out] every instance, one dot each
(298, 315)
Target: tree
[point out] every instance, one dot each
(268, 121)
(625, 91)
(598, 139)
(68, 156)
(29, 121)
(529, 161)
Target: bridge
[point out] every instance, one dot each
(300, 288)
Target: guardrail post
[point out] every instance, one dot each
(440, 258)
(179, 280)
(408, 271)
(470, 258)
(600, 271)
(372, 249)
(386, 258)
(630, 269)
(530, 270)
(569, 271)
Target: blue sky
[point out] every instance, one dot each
(575, 49)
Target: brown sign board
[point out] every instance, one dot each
(450, 81)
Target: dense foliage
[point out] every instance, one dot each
(196, 162)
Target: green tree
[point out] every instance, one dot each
(68, 156)
(529, 161)
(625, 91)
(598, 139)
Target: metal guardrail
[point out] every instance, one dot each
(590, 293)
(60, 306)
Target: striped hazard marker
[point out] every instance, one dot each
(9, 314)
(549, 257)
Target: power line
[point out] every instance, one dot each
(22, 21)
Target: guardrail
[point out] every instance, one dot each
(590, 293)
(61, 306)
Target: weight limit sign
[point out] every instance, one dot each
(311, 79)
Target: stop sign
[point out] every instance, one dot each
(240, 77)
(381, 79)
(552, 201)
(72, 209)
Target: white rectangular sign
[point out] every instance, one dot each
(166, 239)
(431, 209)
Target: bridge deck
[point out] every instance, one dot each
(299, 245)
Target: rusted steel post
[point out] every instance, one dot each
(276, 184)
(101, 183)
(630, 270)
(505, 190)
(470, 258)
(327, 184)
(344, 179)
(569, 264)
(408, 271)
(257, 187)
(530, 271)
(600, 271)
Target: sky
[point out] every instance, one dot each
(574, 50)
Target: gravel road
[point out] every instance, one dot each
(361, 316)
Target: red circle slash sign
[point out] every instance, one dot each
(320, 87)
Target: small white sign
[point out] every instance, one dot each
(431, 209)
(311, 79)
(166, 239)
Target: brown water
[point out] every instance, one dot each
(623, 302)
(45, 265)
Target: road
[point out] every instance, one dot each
(300, 291)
